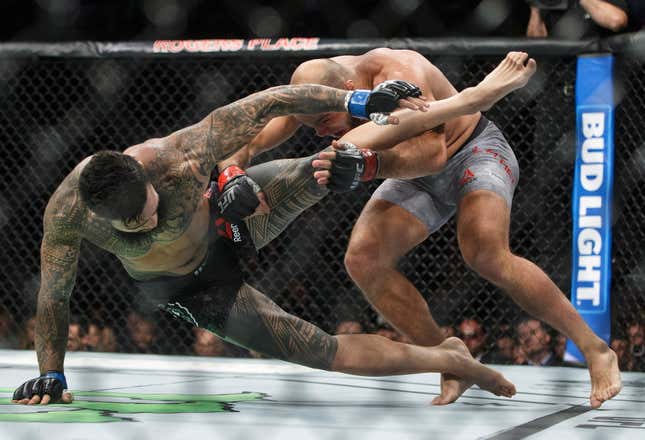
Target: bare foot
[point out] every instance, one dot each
(511, 74)
(466, 367)
(605, 376)
(452, 387)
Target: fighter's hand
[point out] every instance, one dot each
(343, 168)
(48, 388)
(239, 196)
(383, 99)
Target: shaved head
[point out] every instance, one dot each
(321, 71)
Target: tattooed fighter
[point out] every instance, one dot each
(465, 168)
(150, 206)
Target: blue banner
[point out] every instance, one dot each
(592, 196)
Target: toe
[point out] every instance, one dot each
(440, 400)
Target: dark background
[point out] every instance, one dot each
(64, 20)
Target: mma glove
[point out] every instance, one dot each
(237, 197)
(52, 383)
(351, 166)
(381, 100)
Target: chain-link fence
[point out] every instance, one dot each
(55, 111)
(628, 283)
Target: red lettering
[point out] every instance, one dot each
(282, 43)
(160, 46)
(252, 43)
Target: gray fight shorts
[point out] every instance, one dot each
(484, 162)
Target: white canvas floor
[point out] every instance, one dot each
(167, 397)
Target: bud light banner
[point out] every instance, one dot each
(592, 196)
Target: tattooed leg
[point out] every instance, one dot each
(290, 188)
(253, 321)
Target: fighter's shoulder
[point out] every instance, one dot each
(166, 157)
(396, 57)
(65, 203)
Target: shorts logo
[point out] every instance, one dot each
(496, 155)
(468, 177)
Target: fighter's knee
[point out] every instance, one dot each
(490, 262)
(361, 258)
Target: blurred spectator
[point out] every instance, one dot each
(560, 347)
(142, 334)
(519, 357)
(76, 334)
(621, 347)
(101, 338)
(535, 342)
(208, 344)
(636, 335)
(348, 328)
(28, 334)
(387, 332)
(575, 19)
(504, 346)
(9, 332)
(474, 336)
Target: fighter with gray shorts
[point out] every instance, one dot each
(485, 162)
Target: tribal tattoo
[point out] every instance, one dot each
(64, 218)
(247, 318)
(227, 129)
(290, 189)
(257, 323)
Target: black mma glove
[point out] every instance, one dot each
(237, 197)
(382, 99)
(351, 166)
(52, 383)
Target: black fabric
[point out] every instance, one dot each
(208, 308)
(219, 273)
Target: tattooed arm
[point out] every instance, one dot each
(276, 132)
(64, 217)
(229, 128)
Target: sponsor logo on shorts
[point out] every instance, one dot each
(237, 236)
(502, 161)
(468, 177)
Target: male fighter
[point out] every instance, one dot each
(466, 167)
(150, 207)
